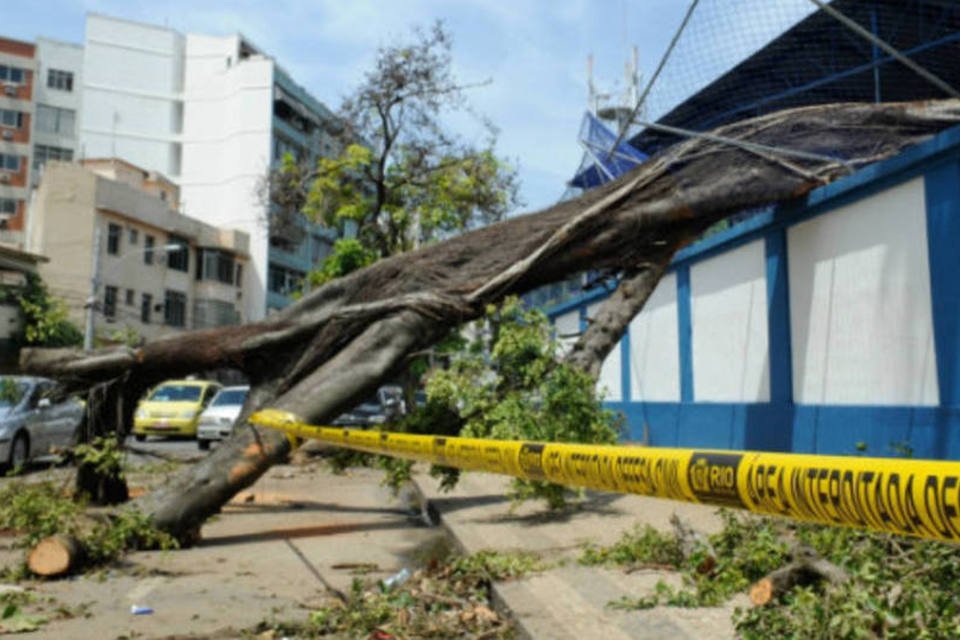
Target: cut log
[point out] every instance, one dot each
(322, 355)
(55, 556)
(806, 568)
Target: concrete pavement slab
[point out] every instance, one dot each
(571, 601)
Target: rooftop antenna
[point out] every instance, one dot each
(621, 113)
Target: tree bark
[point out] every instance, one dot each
(606, 329)
(322, 355)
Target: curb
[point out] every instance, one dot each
(432, 517)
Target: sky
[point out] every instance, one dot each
(533, 53)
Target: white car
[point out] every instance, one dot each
(216, 421)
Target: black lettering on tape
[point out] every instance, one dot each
(713, 478)
(531, 460)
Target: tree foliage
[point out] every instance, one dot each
(507, 383)
(401, 179)
(45, 322)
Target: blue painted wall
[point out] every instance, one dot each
(780, 424)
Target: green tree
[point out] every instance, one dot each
(401, 179)
(45, 321)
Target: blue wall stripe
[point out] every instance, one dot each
(943, 235)
(931, 432)
(778, 317)
(685, 333)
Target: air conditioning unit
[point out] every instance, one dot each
(7, 134)
(10, 90)
(4, 178)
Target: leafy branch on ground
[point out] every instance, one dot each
(897, 587)
(445, 600)
(35, 511)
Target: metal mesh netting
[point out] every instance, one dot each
(736, 59)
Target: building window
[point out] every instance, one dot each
(148, 242)
(130, 297)
(133, 236)
(56, 120)
(179, 259)
(214, 313)
(62, 80)
(110, 302)
(175, 308)
(146, 303)
(319, 249)
(284, 281)
(42, 153)
(12, 75)
(113, 239)
(8, 207)
(213, 264)
(11, 118)
(282, 146)
(239, 280)
(9, 162)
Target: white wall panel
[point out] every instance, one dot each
(654, 347)
(728, 309)
(567, 327)
(860, 303)
(610, 383)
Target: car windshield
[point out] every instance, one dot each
(230, 397)
(176, 393)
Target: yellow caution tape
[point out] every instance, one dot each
(909, 497)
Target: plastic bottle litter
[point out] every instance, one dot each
(396, 579)
(138, 610)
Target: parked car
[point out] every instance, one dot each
(173, 408)
(32, 425)
(216, 421)
(384, 406)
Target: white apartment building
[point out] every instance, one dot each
(213, 113)
(160, 271)
(57, 104)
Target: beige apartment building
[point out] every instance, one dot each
(160, 271)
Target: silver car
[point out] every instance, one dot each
(31, 424)
(216, 421)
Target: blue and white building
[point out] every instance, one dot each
(826, 325)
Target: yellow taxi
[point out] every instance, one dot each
(173, 408)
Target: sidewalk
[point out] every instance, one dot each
(279, 546)
(269, 556)
(571, 601)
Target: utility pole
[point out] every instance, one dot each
(94, 288)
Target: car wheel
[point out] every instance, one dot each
(139, 437)
(203, 445)
(19, 451)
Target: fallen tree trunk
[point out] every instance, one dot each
(323, 354)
